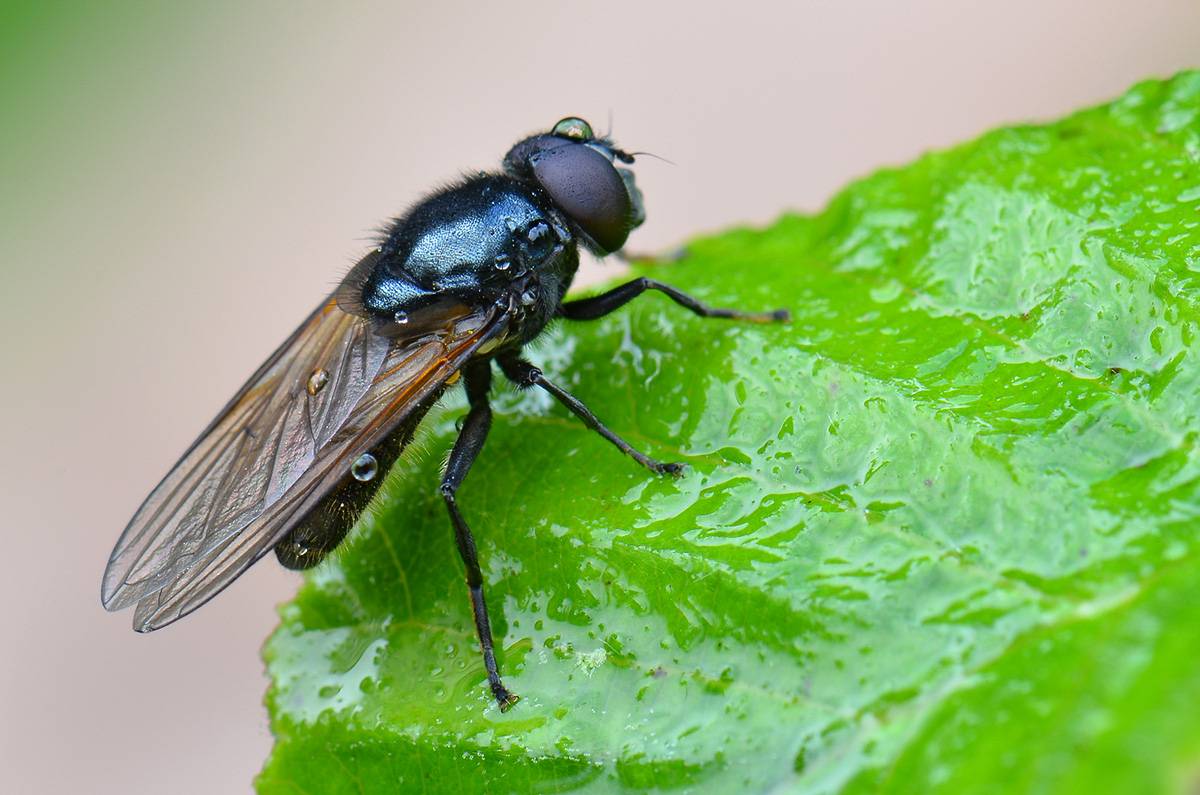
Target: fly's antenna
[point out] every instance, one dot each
(632, 155)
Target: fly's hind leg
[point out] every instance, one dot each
(477, 378)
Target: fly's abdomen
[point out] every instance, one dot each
(320, 532)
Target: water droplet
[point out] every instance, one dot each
(529, 297)
(364, 467)
(400, 317)
(539, 240)
(317, 381)
(502, 262)
(537, 231)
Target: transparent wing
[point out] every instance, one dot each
(334, 390)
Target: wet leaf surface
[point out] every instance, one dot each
(938, 534)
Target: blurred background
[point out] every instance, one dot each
(180, 183)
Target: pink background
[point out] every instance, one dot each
(187, 183)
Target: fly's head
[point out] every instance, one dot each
(578, 171)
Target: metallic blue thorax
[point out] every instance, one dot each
(475, 242)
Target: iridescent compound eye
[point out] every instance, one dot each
(574, 128)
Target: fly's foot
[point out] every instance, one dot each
(671, 468)
(778, 316)
(504, 698)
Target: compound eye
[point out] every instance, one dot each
(584, 185)
(574, 128)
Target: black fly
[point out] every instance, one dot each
(466, 278)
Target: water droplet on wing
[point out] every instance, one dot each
(364, 468)
(317, 381)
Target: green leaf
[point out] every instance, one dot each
(941, 533)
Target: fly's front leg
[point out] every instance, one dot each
(525, 375)
(600, 305)
(477, 379)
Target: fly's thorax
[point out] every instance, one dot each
(485, 241)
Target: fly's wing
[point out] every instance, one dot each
(333, 391)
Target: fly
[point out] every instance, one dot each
(463, 281)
